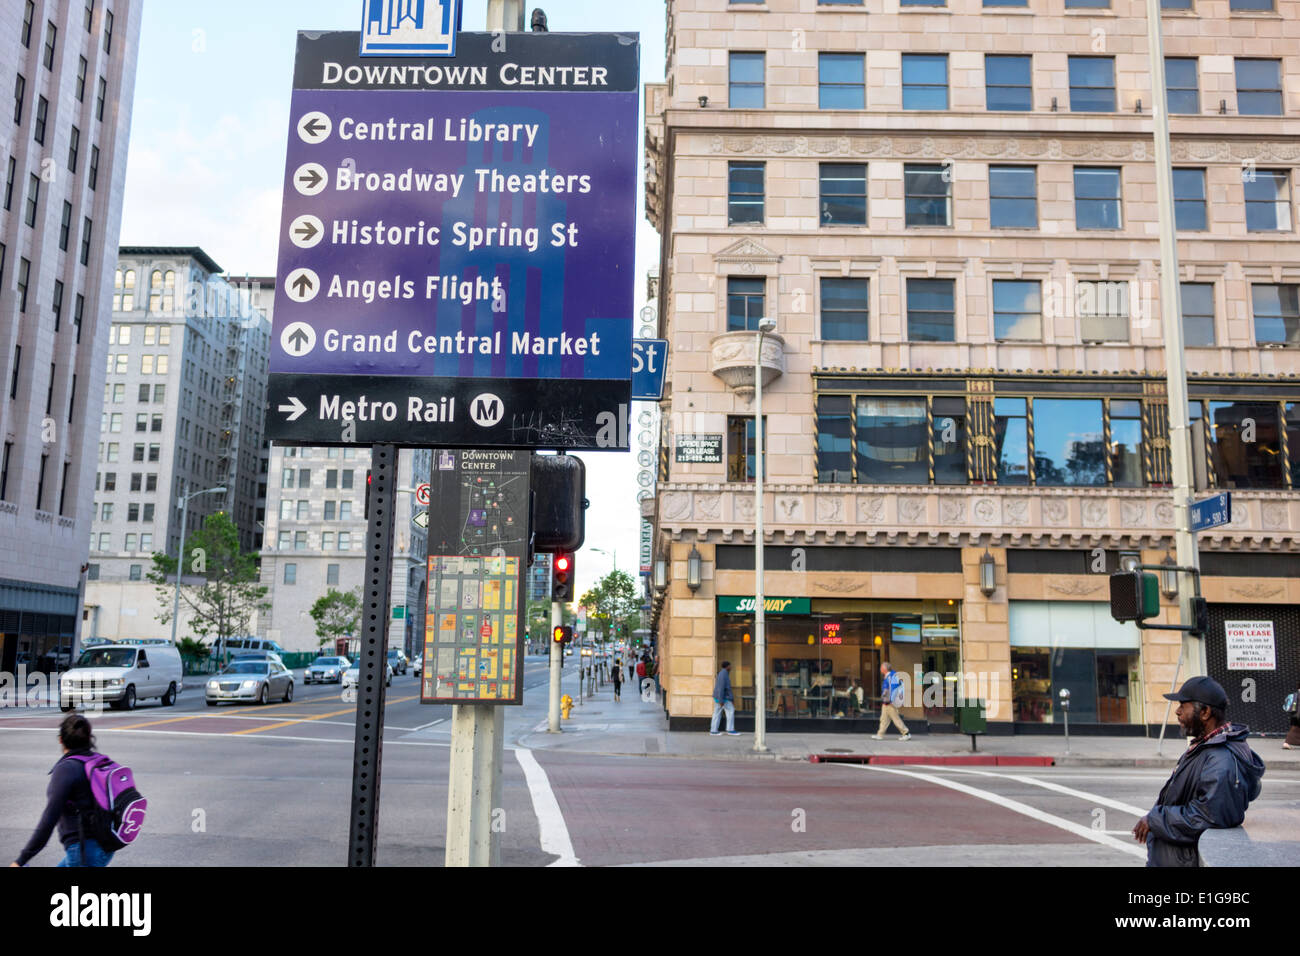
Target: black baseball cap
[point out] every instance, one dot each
(1202, 690)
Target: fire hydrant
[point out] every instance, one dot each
(566, 706)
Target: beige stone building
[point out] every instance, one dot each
(949, 210)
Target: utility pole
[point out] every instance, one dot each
(760, 624)
(557, 662)
(1171, 314)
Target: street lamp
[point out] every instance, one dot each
(1169, 577)
(694, 577)
(180, 550)
(765, 326)
(661, 574)
(988, 573)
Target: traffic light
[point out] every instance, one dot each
(1134, 596)
(366, 513)
(562, 578)
(562, 634)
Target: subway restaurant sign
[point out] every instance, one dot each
(772, 605)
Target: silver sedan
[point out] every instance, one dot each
(250, 680)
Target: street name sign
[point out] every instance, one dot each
(648, 359)
(456, 249)
(1211, 513)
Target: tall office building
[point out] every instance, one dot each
(184, 410)
(71, 65)
(949, 210)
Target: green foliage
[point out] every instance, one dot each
(337, 614)
(189, 647)
(225, 591)
(613, 606)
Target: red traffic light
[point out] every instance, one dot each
(562, 562)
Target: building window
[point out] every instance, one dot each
(9, 182)
(1087, 4)
(51, 36)
(1251, 6)
(56, 304)
(93, 173)
(1096, 197)
(327, 541)
(893, 441)
(927, 193)
(744, 304)
(1182, 93)
(42, 114)
(151, 482)
(834, 439)
(744, 193)
(291, 574)
(24, 275)
(329, 510)
(346, 477)
(1189, 199)
(925, 81)
(74, 147)
(136, 480)
(1175, 4)
(146, 364)
(4, 472)
(1277, 313)
(20, 91)
(843, 194)
(345, 541)
(1013, 197)
(110, 481)
(29, 12)
(740, 448)
(101, 95)
(331, 575)
(1197, 299)
(154, 451)
(841, 81)
(33, 197)
(133, 512)
(1017, 310)
(331, 478)
(1011, 440)
(844, 310)
(300, 541)
(1008, 81)
(1268, 200)
(82, 66)
(1103, 310)
(745, 81)
(345, 510)
(930, 310)
(85, 241)
(148, 512)
(1092, 84)
(108, 31)
(1246, 452)
(105, 541)
(304, 478)
(1259, 87)
(948, 428)
(65, 226)
(286, 478)
(1069, 442)
(304, 510)
(1125, 443)
(156, 423)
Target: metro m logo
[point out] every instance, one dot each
(486, 410)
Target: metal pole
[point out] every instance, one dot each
(369, 742)
(1160, 747)
(1175, 361)
(180, 559)
(760, 637)
(557, 661)
(477, 732)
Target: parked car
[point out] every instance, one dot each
(251, 679)
(397, 660)
(122, 674)
(417, 665)
(258, 656)
(325, 670)
(352, 676)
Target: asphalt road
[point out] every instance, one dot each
(271, 786)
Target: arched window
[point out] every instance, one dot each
(169, 292)
(155, 291)
(117, 291)
(128, 294)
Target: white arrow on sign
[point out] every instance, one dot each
(302, 285)
(306, 231)
(314, 127)
(310, 179)
(420, 519)
(295, 408)
(298, 338)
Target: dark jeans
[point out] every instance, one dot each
(95, 855)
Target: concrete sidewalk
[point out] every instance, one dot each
(639, 728)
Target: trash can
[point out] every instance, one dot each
(970, 719)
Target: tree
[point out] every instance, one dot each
(337, 614)
(613, 604)
(230, 591)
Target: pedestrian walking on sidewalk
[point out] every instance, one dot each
(891, 698)
(631, 670)
(618, 682)
(723, 702)
(1211, 786)
(68, 794)
(1292, 707)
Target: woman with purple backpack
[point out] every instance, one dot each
(68, 792)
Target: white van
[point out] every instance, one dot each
(123, 674)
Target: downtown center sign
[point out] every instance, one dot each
(456, 262)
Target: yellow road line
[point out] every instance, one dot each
(333, 713)
(152, 723)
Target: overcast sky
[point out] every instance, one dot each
(208, 135)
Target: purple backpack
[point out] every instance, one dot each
(117, 808)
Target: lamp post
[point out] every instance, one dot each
(760, 637)
(180, 549)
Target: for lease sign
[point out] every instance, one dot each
(1251, 646)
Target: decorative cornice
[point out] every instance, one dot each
(747, 249)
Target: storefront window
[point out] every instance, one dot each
(1011, 437)
(834, 439)
(949, 426)
(1126, 443)
(1068, 442)
(893, 447)
(1246, 449)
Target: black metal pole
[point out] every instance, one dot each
(369, 745)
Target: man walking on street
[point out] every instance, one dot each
(891, 698)
(1212, 784)
(722, 701)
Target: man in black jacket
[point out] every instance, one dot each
(1213, 783)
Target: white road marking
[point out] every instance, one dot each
(236, 736)
(1016, 806)
(1047, 785)
(426, 726)
(550, 821)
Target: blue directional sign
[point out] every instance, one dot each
(457, 243)
(648, 361)
(410, 27)
(1212, 512)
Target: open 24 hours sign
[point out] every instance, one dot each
(457, 244)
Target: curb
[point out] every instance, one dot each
(966, 760)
